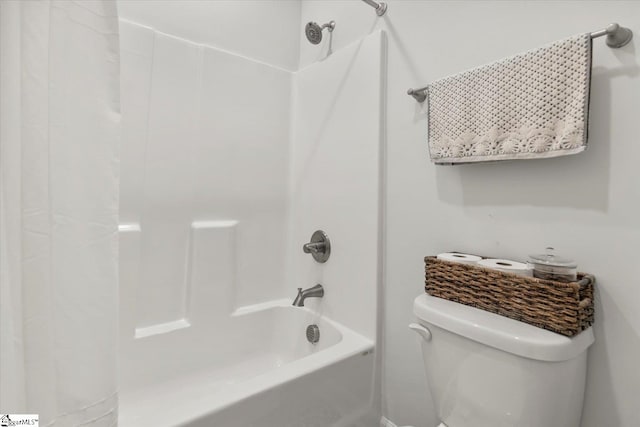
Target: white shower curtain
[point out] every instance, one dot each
(59, 133)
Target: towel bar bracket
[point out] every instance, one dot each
(617, 36)
(420, 94)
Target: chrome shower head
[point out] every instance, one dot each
(313, 31)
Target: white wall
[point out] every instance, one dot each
(336, 184)
(586, 205)
(264, 30)
(336, 180)
(204, 186)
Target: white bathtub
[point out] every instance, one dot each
(270, 376)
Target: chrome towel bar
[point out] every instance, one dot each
(617, 37)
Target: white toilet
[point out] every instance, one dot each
(486, 370)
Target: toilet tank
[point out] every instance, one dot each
(485, 370)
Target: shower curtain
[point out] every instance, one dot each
(59, 133)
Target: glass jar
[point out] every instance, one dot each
(552, 267)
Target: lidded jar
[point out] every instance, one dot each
(552, 267)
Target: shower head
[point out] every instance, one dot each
(313, 31)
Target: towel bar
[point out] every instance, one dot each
(617, 37)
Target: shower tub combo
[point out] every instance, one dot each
(218, 196)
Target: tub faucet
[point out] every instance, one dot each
(317, 291)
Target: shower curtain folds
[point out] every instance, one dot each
(59, 133)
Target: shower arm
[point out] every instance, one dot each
(331, 25)
(380, 7)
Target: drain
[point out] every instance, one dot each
(313, 334)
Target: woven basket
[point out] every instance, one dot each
(565, 308)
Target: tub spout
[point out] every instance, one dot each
(315, 292)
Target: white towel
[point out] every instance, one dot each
(531, 105)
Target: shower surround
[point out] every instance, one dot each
(220, 189)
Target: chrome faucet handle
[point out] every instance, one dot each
(314, 248)
(319, 247)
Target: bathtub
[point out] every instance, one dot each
(269, 376)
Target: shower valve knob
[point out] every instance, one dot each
(319, 247)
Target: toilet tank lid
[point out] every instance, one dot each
(500, 332)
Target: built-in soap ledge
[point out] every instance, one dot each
(224, 223)
(253, 308)
(129, 227)
(161, 328)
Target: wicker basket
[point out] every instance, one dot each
(565, 308)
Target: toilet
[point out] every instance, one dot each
(486, 370)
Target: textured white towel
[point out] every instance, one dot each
(531, 105)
